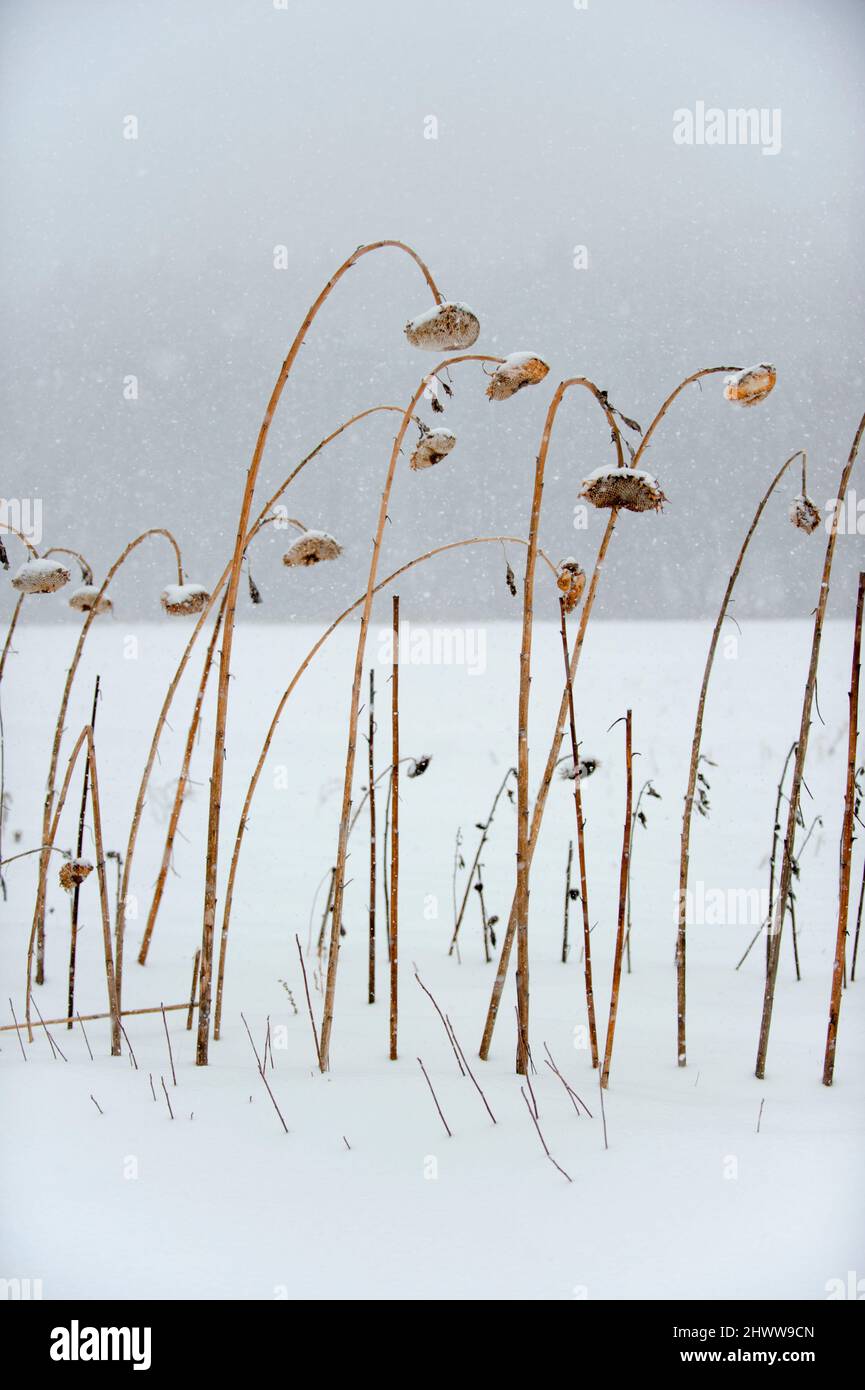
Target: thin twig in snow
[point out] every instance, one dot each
(469, 1070)
(435, 1098)
(168, 1040)
(18, 1032)
(542, 1139)
(603, 1111)
(129, 1045)
(55, 1047)
(444, 1021)
(567, 1085)
(308, 1001)
(263, 1077)
(84, 1031)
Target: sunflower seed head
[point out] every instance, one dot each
(311, 548)
(444, 328)
(750, 386)
(181, 600)
(627, 489)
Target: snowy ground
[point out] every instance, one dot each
(688, 1201)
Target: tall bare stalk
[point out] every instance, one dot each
(394, 837)
(581, 846)
(10, 632)
(277, 715)
(372, 881)
(262, 519)
(567, 910)
(776, 927)
(543, 790)
(485, 830)
(218, 762)
(846, 844)
(858, 926)
(76, 891)
(39, 911)
(180, 792)
(345, 813)
(623, 893)
(84, 740)
(523, 860)
(588, 602)
(687, 815)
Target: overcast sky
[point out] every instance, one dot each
(306, 126)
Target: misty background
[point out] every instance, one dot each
(305, 126)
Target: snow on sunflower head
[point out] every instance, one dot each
(626, 489)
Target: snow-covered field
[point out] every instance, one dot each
(689, 1200)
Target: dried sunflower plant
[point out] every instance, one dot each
(620, 486)
(450, 330)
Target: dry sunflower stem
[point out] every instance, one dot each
(181, 600)
(751, 385)
(519, 369)
(40, 577)
(446, 327)
(311, 548)
(625, 489)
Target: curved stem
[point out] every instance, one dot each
(13, 531)
(695, 762)
(277, 715)
(624, 873)
(581, 846)
(261, 520)
(522, 893)
(86, 574)
(345, 814)
(13, 623)
(787, 860)
(180, 792)
(540, 803)
(86, 569)
(695, 376)
(850, 798)
(385, 772)
(485, 830)
(39, 912)
(218, 762)
(543, 790)
(54, 849)
(84, 738)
